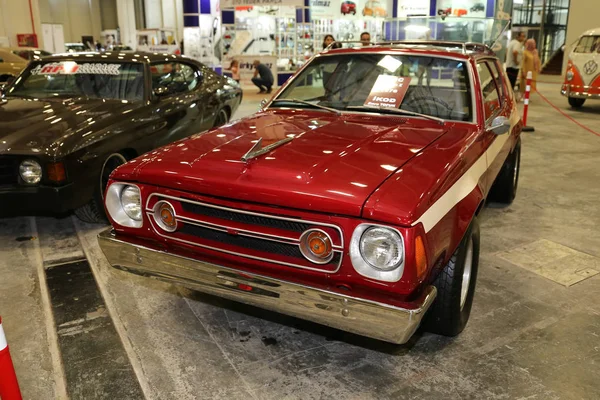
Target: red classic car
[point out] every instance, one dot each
(348, 7)
(351, 202)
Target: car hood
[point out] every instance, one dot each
(332, 165)
(30, 126)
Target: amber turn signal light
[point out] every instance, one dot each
(165, 217)
(420, 258)
(315, 245)
(56, 172)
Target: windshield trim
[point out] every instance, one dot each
(475, 111)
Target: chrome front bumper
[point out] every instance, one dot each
(363, 317)
(579, 92)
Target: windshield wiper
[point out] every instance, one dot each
(333, 110)
(397, 111)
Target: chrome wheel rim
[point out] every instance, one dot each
(466, 277)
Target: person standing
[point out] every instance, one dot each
(235, 70)
(531, 63)
(263, 78)
(328, 68)
(514, 55)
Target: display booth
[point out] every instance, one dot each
(284, 34)
(287, 33)
(157, 41)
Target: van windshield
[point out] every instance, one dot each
(588, 44)
(434, 86)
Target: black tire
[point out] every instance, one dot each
(93, 210)
(222, 118)
(576, 103)
(450, 311)
(505, 186)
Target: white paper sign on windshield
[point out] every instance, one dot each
(388, 91)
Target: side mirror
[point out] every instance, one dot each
(263, 103)
(161, 91)
(500, 125)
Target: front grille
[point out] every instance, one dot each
(9, 170)
(245, 218)
(245, 242)
(255, 235)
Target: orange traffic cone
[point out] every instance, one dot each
(9, 387)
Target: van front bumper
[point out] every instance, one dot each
(363, 317)
(580, 92)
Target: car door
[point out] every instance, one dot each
(178, 95)
(496, 103)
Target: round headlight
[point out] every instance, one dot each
(30, 171)
(570, 75)
(131, 202)
(381, 248)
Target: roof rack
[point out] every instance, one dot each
(464, 47)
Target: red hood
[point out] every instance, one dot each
(333, 164)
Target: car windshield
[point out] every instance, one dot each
(96, 80)
(433, 86)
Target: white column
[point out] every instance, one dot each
(126, 18)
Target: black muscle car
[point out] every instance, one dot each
(67, 121)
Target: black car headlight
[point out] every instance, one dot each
(377, 252)
(124, 204)
(30, 171)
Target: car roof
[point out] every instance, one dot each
(20, 49)
(8, 56)
(116, 56)
(458, 50)
(595, 31)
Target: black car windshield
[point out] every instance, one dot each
(432, 86)
(96, 80)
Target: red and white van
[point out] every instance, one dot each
(582, 79)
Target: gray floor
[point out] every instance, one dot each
(529, 337)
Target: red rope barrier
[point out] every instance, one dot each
(566, 115)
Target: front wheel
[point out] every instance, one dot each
(455, 286)
(576, 103)
(93, 210)
(221, 119)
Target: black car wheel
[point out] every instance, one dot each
(455, 286)
(504, 188)
(93, 211)
(576, 103)
(222, 118)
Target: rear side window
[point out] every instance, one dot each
(588, 44)
(491, 96)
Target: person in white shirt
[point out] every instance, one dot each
(514, 55)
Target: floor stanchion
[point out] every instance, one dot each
(9, 386)
(527, 128)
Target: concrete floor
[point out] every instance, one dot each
(528, 338)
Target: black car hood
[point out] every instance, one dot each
(29, 126)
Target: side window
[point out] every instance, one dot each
(491, 97)
(175, 77)
(497, 73)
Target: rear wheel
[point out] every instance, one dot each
(455, 286)
(576, 103)
(504, 188)
(93, 211)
